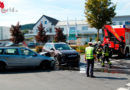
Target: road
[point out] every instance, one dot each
(33, 79)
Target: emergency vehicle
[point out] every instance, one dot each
(118, 39)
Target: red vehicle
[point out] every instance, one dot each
(118, 38)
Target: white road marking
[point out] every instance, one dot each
(83, 69)
(126, 88)
(122, 89)
(128, 84)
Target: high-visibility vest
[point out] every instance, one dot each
(89, 53)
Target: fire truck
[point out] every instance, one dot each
(118, 39)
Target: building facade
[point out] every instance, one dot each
(4, 33)
(79, 27)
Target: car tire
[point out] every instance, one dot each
(45, 65)
(2, 67)
(76, 64)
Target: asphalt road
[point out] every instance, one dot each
(33, 79)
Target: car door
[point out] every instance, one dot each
(30, 58)
(12, 57)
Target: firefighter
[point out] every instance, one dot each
(89, 57)
(105, 56)
(99, 52)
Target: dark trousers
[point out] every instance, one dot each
(99, 56)
(106, 58)
(90, 67)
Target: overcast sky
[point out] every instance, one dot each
(29, 11)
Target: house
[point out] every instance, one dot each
(49, 23)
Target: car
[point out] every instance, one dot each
(32, 45)
(11, 44)
(63, 54)
(23, 57)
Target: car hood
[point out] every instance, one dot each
(68, 52)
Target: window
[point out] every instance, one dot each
(85, 28)
(62, 47)
(45, 22)
(27, 52)
(72, 28)
(127, 22)
(114, 23)
(1, 51)
(120, 23)
(48, 46)
(11, 51)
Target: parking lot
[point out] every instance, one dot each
(35, 79)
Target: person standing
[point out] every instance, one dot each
(89, 57)
(99, 52)
(105, 56)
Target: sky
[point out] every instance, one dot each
(29, 11)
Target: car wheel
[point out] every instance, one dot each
(2, 67)
(45, 65)
(76, 64)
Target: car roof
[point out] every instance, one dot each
(10, 47)
(56, 43)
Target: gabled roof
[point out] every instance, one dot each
(52, 20)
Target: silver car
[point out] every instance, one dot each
(23, 57)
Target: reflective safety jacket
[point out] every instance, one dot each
(99, 51)
(89, 51)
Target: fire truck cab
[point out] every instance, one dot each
(118, 38)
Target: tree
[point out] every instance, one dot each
(41, 35)
(16, 35)
(59, 37)
(99, 13)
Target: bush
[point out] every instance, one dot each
(74, 46)
(80, 49)
(39, 49)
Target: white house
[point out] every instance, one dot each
(49, 24)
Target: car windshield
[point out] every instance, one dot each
(62, 47)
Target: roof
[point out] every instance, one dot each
(52, 20)
(71, 22)
(122, 16)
